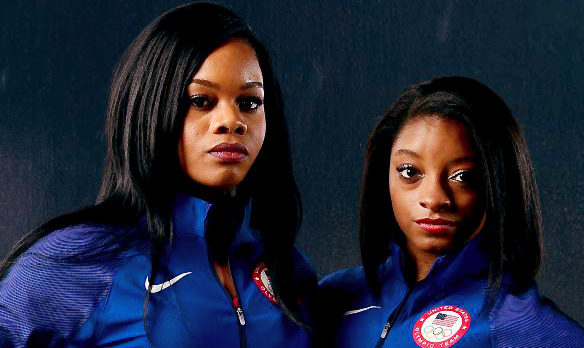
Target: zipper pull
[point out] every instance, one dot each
(385, 330)
(240, 316)
(239, 311)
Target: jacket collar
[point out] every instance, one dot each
(190, 214)
(469, 263)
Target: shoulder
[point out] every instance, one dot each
(55, 285)
(339, 293)
(351, 285)
(344, 290)
(85, 240)
(305, 280)
(304, 268)
(516, 314)
(71, 246)
(346, 282)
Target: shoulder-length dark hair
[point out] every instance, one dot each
(513, 216)
(144, 121)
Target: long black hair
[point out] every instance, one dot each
(513, 216)
(144, 121)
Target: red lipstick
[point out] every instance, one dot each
(229, 152)
(435, 225)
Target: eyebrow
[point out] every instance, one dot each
(472, 159)
(252, 84)
(246, 85)
(406, 152)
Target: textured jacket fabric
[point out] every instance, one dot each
(59, 295)
(443, 310)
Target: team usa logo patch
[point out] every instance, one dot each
(441, 327)
(262, 280)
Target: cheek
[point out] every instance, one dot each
(259, 134)
(400, 202)
(471, 205)
(193, 129)
(187, 143)
(181, 153)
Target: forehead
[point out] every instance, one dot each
(236, 58)
(434, 137)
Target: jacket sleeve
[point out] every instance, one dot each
(49, 292)
(528, 320)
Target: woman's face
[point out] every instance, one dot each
(225, 125)
(435, 185)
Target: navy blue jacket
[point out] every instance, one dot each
(52, 297)
(442, 310)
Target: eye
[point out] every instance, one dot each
(201, 102)
(249, 103)
(408, 171)
(463, 176)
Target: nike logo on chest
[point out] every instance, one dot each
(159, 287)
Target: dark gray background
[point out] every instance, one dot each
(340, 63)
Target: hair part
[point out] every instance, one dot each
(513, 214)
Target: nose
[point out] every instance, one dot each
(227, 120)
(435, 195)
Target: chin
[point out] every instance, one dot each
(225, 182)
(439, 246)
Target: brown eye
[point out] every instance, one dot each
(464, 176)
(407, 171)
(249, 103)
(201, 102)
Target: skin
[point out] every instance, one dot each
(434, 174)
(226, 96)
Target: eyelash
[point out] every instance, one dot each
(245, 104)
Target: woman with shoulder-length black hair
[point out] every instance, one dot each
(191, 240)
(450, 232)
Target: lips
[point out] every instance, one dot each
(229, 152)
(435, 225)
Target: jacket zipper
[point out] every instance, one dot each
(237, 307)
(391, 319)
(239, 313)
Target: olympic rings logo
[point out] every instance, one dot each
(445, 323)
(437, 332)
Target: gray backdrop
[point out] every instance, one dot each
(340, 63)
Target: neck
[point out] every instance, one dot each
(423, 267)
(209, 194)
(423, 262)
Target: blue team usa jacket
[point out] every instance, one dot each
(51, 298)
(443, 310)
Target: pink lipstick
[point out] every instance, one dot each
(229, 152)
(435, 225)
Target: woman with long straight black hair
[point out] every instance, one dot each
(450, 232)
(191, 240)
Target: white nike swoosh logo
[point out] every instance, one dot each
(159, 287)
(355, 311)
